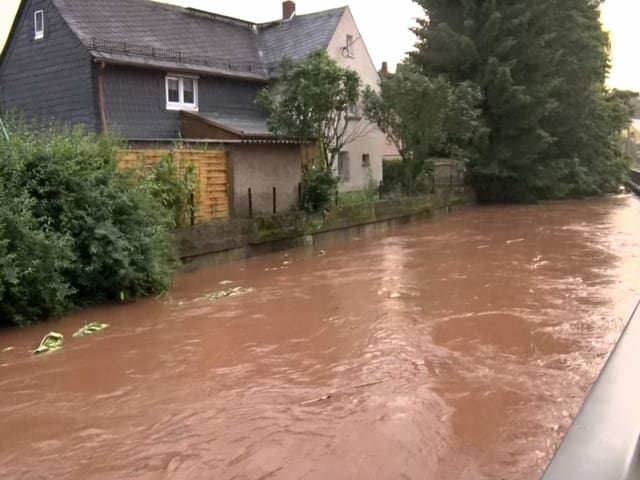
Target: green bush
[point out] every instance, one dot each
(407, 178)
(319, 189)
(174, 189)
(392, 174)
(32, 261)
(85, 232)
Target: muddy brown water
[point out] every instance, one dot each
(457, 348)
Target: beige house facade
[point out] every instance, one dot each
(360, 162)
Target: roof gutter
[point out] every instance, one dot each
(213, 141)
(99, 57)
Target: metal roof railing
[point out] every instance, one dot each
(110, 46)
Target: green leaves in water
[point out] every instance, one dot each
(229, 292)
(90, 329)
(51, 342)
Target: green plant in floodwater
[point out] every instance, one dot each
(90, 329)
(229, 292)
(51, 342)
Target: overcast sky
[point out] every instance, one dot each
(385, 26)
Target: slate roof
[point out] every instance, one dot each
(144, 32)
(300, 36)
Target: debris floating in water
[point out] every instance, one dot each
(226, 282)
(51, 342)
(90, 329)
(229, 292)
(518, 240)
(8, 349)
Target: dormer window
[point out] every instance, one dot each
(182, 92)
(38, 24)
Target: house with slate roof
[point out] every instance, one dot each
(157, 73)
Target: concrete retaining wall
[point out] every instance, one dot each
(243, 238)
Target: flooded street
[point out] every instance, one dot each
(456, 348)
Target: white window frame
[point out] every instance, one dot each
(180, 104)
(38, 34)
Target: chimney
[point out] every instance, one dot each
(288, 9)
(384, 71)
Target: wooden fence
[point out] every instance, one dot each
(212, 171)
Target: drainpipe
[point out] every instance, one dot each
(101, 109)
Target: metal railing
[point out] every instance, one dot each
(603, 442)
(110, 46)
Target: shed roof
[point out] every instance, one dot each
(247, 128)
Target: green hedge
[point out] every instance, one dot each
(407, 178)
(74, 230)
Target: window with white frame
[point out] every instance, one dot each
(38, 24)
(181, 92)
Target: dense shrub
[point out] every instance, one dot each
(32, 260)
(392, 176)
(174, 189)
(319, 187)
(79, 231)
(407, 179)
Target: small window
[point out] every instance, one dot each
(366, 160)
(353, 112)
(182, 92)
(349, 48)
(38, 24)
(343, 166)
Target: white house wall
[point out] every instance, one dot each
(373, 143)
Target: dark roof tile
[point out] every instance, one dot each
(156, 34)
(298, 37)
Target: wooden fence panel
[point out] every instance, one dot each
(211, 168)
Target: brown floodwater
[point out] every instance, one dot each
(456, 348)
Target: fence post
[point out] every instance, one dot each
(380, 190)
(275, 205)
(299, 194)
(192, 208)
(250, 205)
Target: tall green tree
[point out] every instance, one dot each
(551, 128)
(311, 101)
(423, 117)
